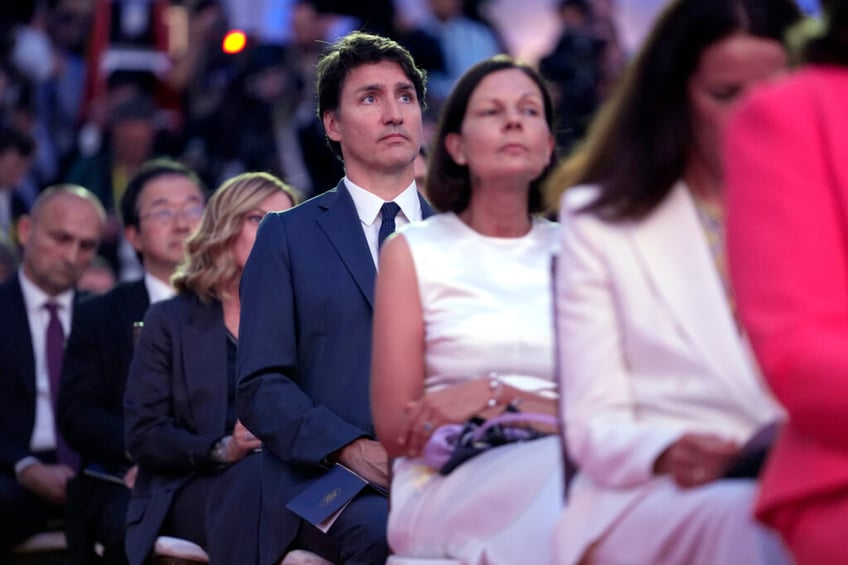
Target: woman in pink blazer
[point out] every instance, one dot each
(787, 175)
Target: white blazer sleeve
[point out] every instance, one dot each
(604, 434)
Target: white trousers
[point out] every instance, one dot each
(708, 525)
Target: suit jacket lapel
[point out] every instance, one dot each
(137, 302)
(677, 257)
(129, 311)
(341, 225)
(25, 354)
(204, 357)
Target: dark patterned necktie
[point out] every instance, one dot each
(388, 212)
(55, 349)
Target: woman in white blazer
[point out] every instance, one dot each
(659, 390)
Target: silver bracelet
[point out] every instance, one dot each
(495, 389)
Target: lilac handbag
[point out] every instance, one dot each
(453, 444)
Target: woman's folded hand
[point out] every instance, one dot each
(696, 459)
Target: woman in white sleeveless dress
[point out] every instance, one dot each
(463, 326)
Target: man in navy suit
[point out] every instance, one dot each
(59, 238)
(306, 303)
(160, 208)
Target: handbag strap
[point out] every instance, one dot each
(514, 418)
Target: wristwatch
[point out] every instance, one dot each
(219, 449)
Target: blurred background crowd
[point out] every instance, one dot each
(91, 89)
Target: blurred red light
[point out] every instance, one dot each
(234, 42)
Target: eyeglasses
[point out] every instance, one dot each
(168, 215)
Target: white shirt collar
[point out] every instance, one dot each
(156, 289)
(34, 297)
(368, 204)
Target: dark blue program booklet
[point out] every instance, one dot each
(110, 474)
(322, 502)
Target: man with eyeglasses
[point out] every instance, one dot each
(161, 208)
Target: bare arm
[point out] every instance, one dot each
(397, 362)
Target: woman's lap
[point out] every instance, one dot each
(503, 501)
(708, 525)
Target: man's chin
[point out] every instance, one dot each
(399, 160)
(59, 285)
(176, 251)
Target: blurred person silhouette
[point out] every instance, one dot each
(476, 334)
(60, 99)
(660, 392)
(16, 153)
(463, 42)
(787, 183)
(604, 24)
(128, 145)
(372, 16)
(260, 102)
(32, 54)
(160, 209)
(179, 404)
(204, 74)
(310, 31)
(59, 239)
(575, 68)
(8, 257)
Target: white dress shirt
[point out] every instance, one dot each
(156, 289)
(368, 207)
(44, 431)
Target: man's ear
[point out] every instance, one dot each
(24, 228)
(132, 235)
(331, 126)
(453, 145)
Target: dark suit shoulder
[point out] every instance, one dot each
(11, 288)
(309, 209)
(128, 291)
(185, 307)
(12, 305)
(14, 327)
(167, 308)
(118, 308)
(121, 296)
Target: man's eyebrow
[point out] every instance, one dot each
(374, 87)
(378, 87)
(188, 199)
